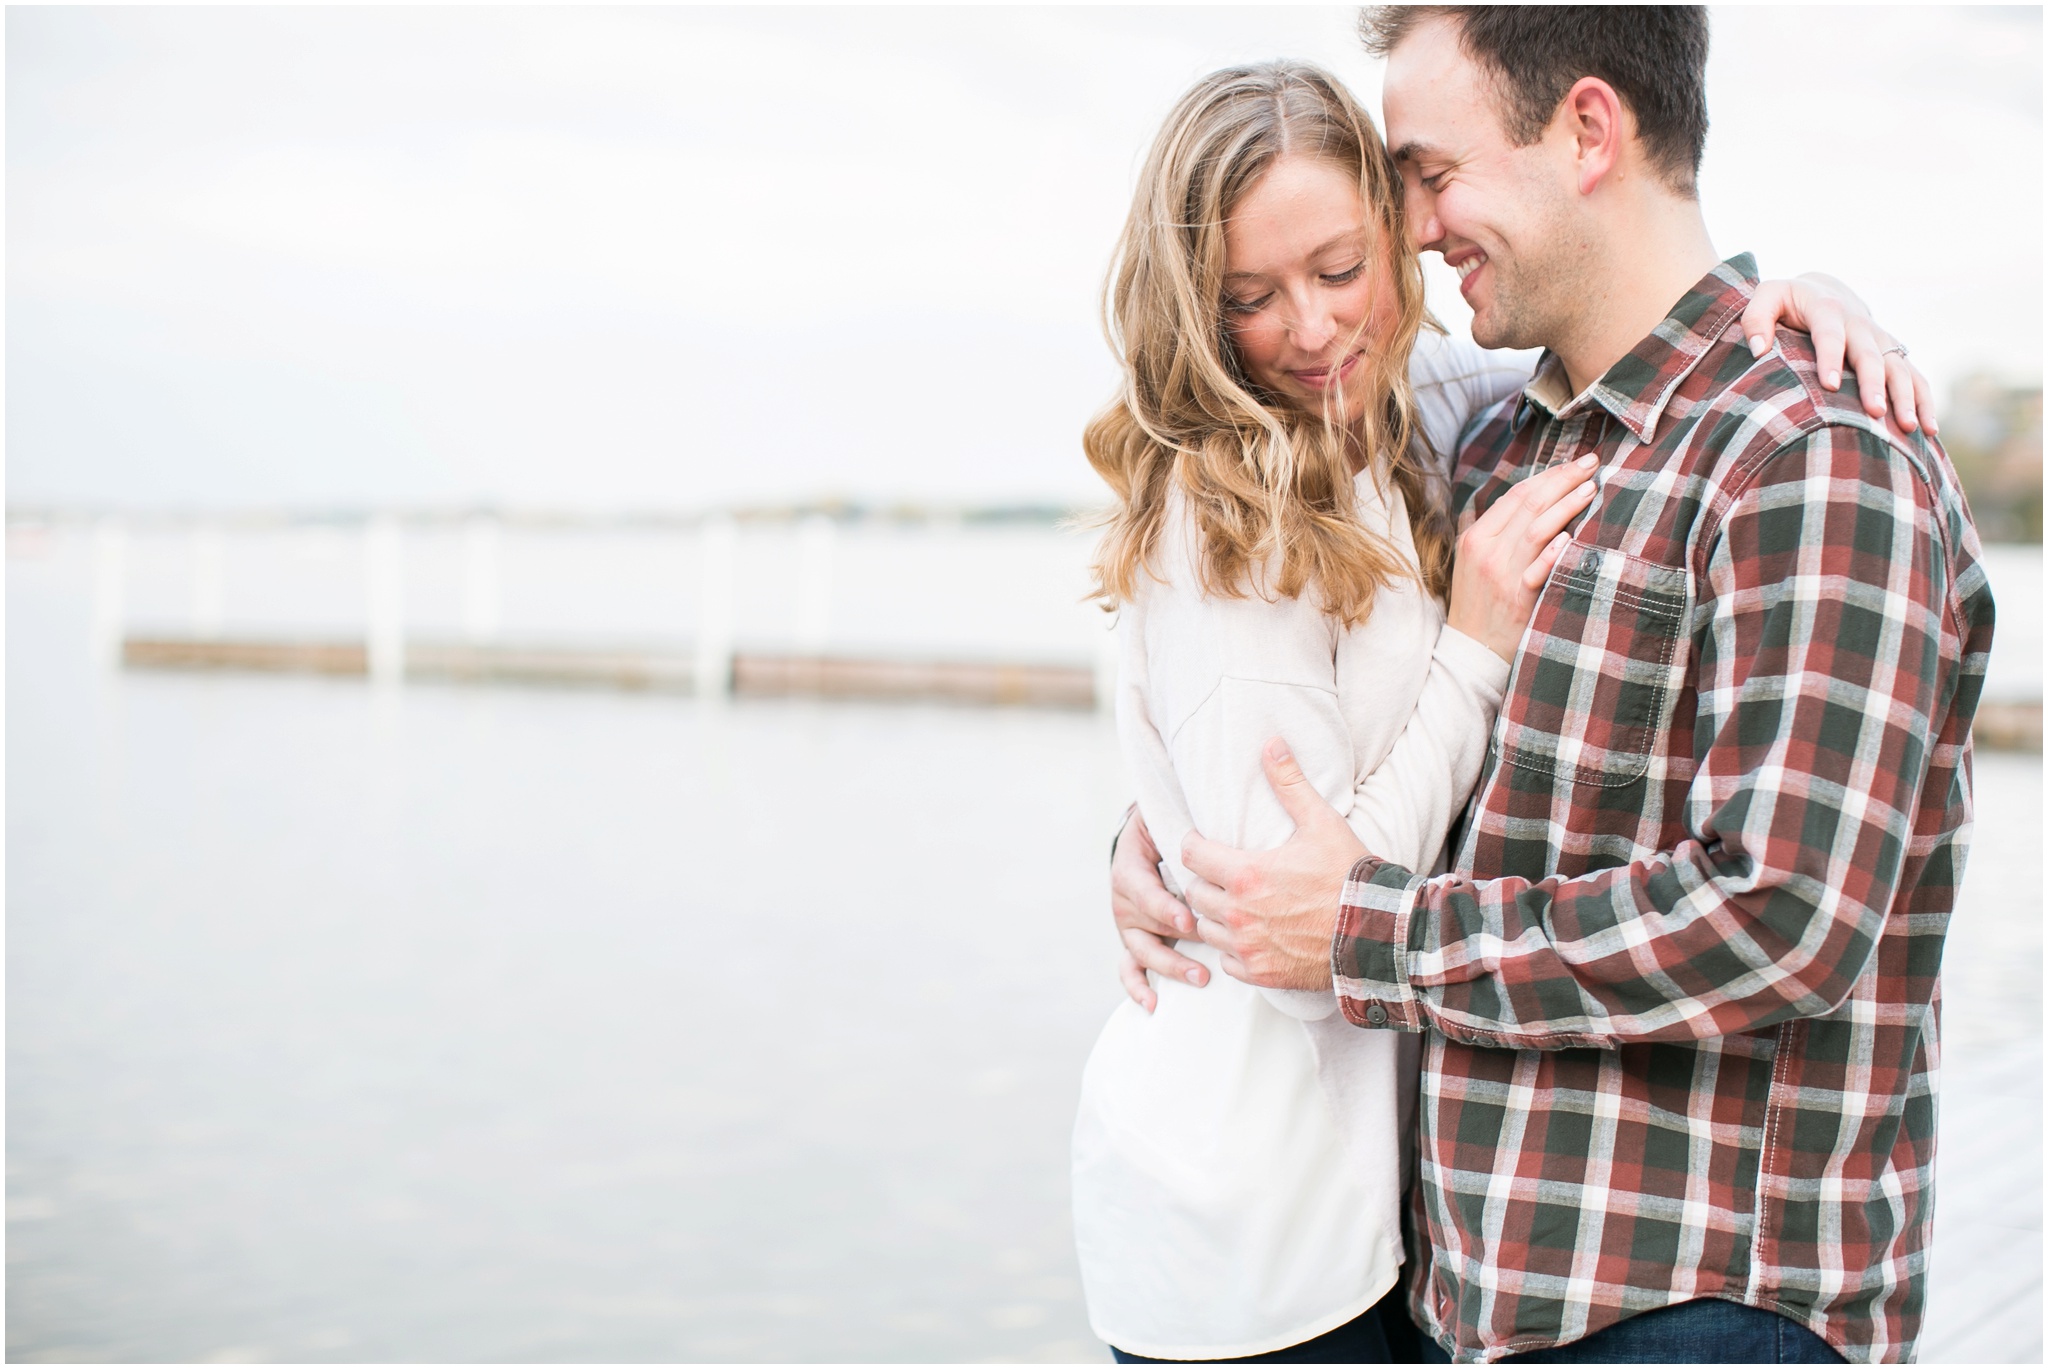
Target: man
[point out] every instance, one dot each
(1679, 993)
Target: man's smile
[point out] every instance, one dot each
(1466, 261)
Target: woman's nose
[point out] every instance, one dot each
(1311, 331)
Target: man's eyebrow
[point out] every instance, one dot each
(1412, 151)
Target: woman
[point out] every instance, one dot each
(1280, 557)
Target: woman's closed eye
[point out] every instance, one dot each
(1233, 305)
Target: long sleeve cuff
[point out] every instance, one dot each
(1475, 660)
(1303, 1005)
(1369, 953)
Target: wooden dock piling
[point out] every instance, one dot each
(1030, 684)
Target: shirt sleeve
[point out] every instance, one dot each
(1404, 806)
(1820, 674)
(1455, 381)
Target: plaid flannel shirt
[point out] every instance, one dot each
(1680, 990)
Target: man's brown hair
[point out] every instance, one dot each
(1655, 57)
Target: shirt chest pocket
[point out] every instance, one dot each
(1603, 661)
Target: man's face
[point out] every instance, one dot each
(1500, 214)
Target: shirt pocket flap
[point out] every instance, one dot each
(1604, 658)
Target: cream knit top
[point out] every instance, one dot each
(1238, 1155)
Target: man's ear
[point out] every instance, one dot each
(1597, 123)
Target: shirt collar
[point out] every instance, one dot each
(1636, 388)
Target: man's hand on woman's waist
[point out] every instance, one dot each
(1273, 914)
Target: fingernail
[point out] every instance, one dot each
(1757, 345)
(1831, 379)
(1589, 461)
(1195, 976)
(1277, 749)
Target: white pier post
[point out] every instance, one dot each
(715, 607)
(480, 580)
(814, 546)
(209, 581)
(384, 558)
(109, 589)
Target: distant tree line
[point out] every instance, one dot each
(1992, 431)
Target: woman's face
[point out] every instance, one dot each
(1306, 290)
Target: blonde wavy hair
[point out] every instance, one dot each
(1269, 486)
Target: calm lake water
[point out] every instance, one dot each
(497, 1024)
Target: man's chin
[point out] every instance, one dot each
(1511, 322)
(1494, 327)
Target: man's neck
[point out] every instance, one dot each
(1650, 260)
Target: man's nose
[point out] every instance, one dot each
(1424, 229)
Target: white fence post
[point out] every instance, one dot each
(714, 607)
(209, 581)
(480, 579)
(109, 589)
(384, 557)
(815, 537)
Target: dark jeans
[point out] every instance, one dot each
(1381, 1335)
(1704, 1331)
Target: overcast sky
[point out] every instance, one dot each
(665, 259)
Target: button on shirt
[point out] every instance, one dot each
(1680, 990)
